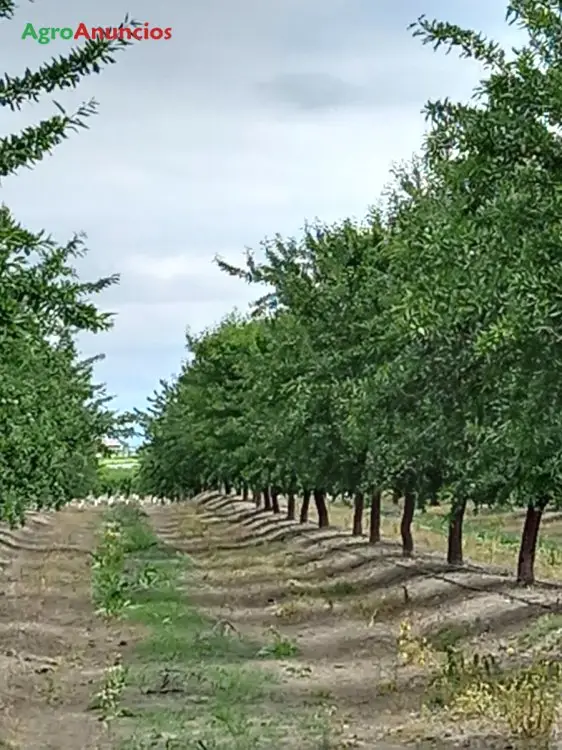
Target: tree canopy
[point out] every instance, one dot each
(418, 351)
(52, 414)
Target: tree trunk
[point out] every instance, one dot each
(406, 524)
(454, 546)
(435, 477)
(321, 508)
(275, 499)
(396, 495)
(375, 518)
(305, 506)
(227, 488)
(257, 498)
(526, 562)
(245, 492)
(359, 504)
(266, 499)
(291, 506)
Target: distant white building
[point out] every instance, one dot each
(115, 446)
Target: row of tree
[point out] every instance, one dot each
(419, 351)
(52, 415)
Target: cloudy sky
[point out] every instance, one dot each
(256, 115)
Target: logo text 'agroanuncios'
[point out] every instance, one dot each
(45, 35)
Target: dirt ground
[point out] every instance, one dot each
(330, 604)
(53, 648)
(341, 602)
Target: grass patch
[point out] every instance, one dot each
(447, 637)
(524, 700)
(493, 540)
(489, 538)
(192, 682)
(540, 630)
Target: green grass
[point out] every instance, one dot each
(487, 528)
(540, 629)
(116, 460)
(118, 478)
(194, 683)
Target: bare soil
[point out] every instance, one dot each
(53, 648)
(339, 600)
(342, 601)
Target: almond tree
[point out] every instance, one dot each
(212, 395)
(52, 416)
(312, 364)
(420, 352)
(482, 276)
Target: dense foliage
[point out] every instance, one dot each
(52, 415)
(419, 351)
(116, 479)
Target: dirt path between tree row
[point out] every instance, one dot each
(341, 602)
(53, 648)
(331, 605)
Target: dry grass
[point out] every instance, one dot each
(488, 538)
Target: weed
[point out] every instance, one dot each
(322, 696)
(447, 636)
(387, 687)
(528, 701)
(109, 584)
(374, 608)
(323, 727)
(458, 675)
(296, 610)
(300, 671)
(108, 699)
(115, 572)
(291, 610)
(525, 700)
(136, 534)
(51, 690)
(414, 650)
(279, 647)
(338, 589)
(190, 675)
(548, 627)
(243, 732)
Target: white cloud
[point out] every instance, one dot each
(160, 269)
(254, 117)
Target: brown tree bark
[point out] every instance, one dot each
(528, 548)
(396, 495)
(245, 492)
(406, 523)
(375, 518)
(435, 477)
(305, 507)
(454, 544)
(257, 498)
(321, 508)
(266, 499)
(227, 488)
(358, 507)
(291, 506)
(275, 499)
